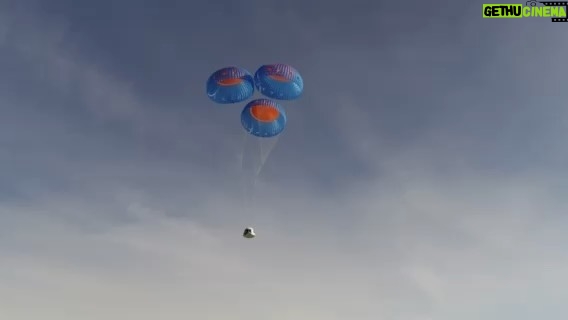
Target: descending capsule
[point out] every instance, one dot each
(263, 118)
(230, 85)
(279, 81)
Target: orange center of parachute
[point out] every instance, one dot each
(230, 81)
(278, 77)
(264, 113)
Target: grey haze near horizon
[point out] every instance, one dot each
(422, 175)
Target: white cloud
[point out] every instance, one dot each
(431, 249)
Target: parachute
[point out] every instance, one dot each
(230, 85)
(263, 118)
(279, 81)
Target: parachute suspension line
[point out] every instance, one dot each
(255, 153)
(265, 147)
(248, 180)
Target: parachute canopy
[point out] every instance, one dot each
(230, 85)
(263, 118)
(279, 81)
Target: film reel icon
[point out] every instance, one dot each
(533, 3)
(557, 4)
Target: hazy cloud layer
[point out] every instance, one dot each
(421, 176)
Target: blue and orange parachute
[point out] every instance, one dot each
(279, 81)
(230, 85)
(263, 118)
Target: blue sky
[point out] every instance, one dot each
(422, 175)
